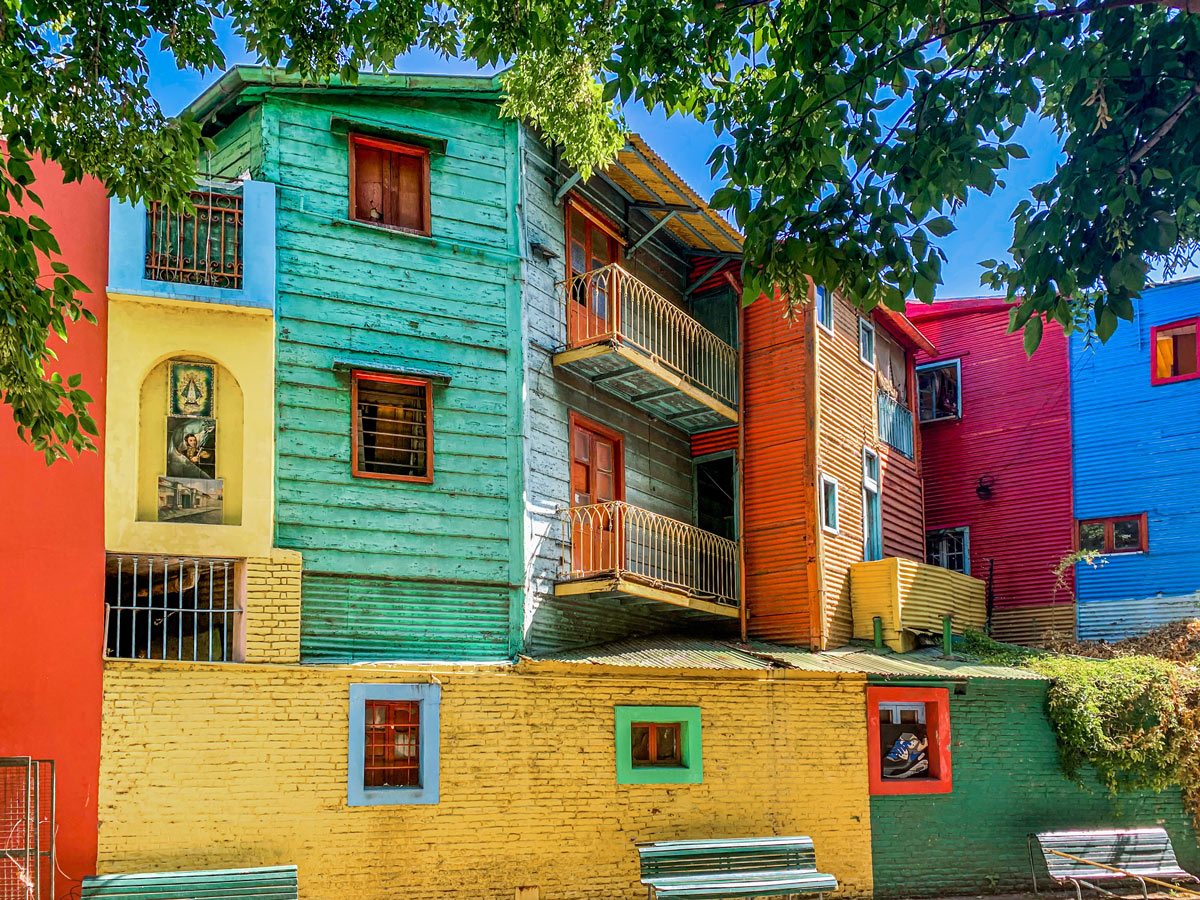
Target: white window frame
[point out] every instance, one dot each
(941, 364)
(966, 541)
(832, 482)
(865, 326)
(823, 299)
(871, 486)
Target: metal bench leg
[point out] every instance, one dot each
(1145, 893)
(1078, 892)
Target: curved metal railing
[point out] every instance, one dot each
(610, 303)
(617, 539)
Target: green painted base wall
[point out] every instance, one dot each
(1007, 783)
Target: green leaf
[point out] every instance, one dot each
(940, 226)
(1033, 334)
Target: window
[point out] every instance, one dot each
(393, 433)
(393, 738)
(866, 342)
(909, 734)
(172, 608)
(872, 515)
(949, 548)
(1116, 534)
(939, 391)
(592, 245)
(1176, 355)
(824, 308)
(829, 503)
(389, 184)
(658, 745)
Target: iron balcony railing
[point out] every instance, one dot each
(203, 247)
(895, 424)
(608, 303)
(619, 540)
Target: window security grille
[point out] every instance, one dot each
(177, 608)
(27, 829)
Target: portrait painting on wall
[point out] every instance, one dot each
(191, 447)
(190, 386)
(197, 501)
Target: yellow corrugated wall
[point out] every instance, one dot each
(913, 597)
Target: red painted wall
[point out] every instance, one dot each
(52, 564)
(1016, 428)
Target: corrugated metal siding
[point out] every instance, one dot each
(1015, 430)
(714, 441)
(1137, 449)
(1112, 620)
(911, 596)
(1031, 625)
(269, 883)
(778, 489)
(345, 619)
(925, 663)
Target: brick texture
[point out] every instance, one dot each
(273, 608)
(224, 765)
(1007, 783)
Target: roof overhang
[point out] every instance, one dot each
(900, 327)
(941, 309)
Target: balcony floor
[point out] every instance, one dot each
(611, 585)
(639, 378)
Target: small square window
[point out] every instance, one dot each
(824, 300)
(389, 184)
(829, 503)
(1116, 534)
(866, 342)
(909, 734)
(393, 434)
(1091, 536)
(393, 755)
(658, 745)
(939, 391)
(1176, 355)
(949, 548)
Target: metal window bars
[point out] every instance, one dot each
(202, 247)
(624, 541)
(609, 303)
(172, 608)
(895, 424)
(27, 810)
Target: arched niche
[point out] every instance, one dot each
(162, 433)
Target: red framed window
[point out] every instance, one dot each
(656, 743)
(392, 432)
(1114, 534)
(392, 746)
(389, 184)
(908, 740)
(1176, 355)
(592, 243)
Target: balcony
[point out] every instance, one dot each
(631, 341)
(911, 599)
(895, 424)
(220, 251)
(617, 550)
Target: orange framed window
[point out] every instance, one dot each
(392, 431)
(1114, 534)
(908, 740)
(389, 184)
(656, 744)
(391, 744)
(592, 243)
(1176, 353)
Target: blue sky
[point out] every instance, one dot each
(983, 225)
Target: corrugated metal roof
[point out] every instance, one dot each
(667, 652)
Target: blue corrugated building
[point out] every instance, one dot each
(1135, 409)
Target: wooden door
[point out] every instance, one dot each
(591, 302)
(596, 478)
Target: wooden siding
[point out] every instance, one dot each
(779, 530)
(658, 471)
(377, 297)
(238, 150)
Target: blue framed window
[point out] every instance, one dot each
(393, 738)
(824, 308)
(872, 514)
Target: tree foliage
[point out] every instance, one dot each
(849, 130)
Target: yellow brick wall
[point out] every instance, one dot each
(273, 608)
(223, 765)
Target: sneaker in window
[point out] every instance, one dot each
(909, 756)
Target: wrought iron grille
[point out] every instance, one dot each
(27, 803)
(203, 247)
(895, 425)
(177, 608)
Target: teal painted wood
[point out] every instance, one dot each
(269, 883)
(238, 148)
(741, 867)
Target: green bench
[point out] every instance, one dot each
(268, 883)
(1137, 854)
(742, 867)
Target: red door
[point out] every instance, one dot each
(590, 302)
(596, 463)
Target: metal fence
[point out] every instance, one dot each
(27, 801)
(895, 424)
(178, 608)
(203, 247)
(618, 539)
(608, 302)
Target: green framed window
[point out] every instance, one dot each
(658, 745)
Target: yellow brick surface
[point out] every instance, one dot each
(273, 608)
(221, 765)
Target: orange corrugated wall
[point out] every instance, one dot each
(714, 441)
